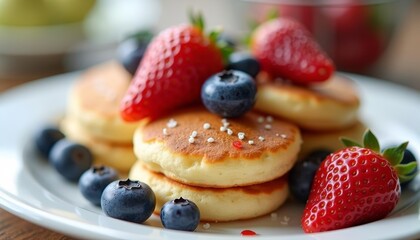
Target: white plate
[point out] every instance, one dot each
(31, 189)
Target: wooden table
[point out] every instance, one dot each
(402, 62)
(12, 227)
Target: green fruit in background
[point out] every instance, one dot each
(23, 12)
(43, 12)
(69, 11)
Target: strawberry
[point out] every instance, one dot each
(358, 52)
(286, 49)
(175, 65)
(356, 185)
(359, 34)
(305, 14)
(347, 17)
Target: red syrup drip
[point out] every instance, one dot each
(237, 144)
(248, 233)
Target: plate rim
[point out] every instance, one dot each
(13, 204)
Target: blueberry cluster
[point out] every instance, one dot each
(128, 200)
(69, 158)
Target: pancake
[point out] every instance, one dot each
(329, 140)
(221, 162)
(117, 155)
(216, 204)
(331, 105)
(95, 99)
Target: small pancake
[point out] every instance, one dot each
(216, 204)
(331, 105)
(94, 102)
(117, 155)
(330, 140)
(218, 163)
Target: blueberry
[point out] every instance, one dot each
(180, 214)
(408, 157)
(131, 50)
(93, 182)
(303, 173)
(229, 93)
(45, 139)
(128, 200)
(70, 159)
(317, 156)
(244, 62)
(300, 179)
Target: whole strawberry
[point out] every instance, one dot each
(175, 65)
(355, 185)
(286, 49)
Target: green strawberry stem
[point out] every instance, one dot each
(394, 154)
(197, 20)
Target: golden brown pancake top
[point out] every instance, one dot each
(276, 135)
(102, 87)
(337, 88)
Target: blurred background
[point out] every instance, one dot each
(40, 38)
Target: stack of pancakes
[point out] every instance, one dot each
(324, 112)
(231, 168)
(93, 118)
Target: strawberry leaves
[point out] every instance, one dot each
(221, 44)
(196, 19)
(349, 143)
(371, 142)
(405, 172)
(393, 154)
